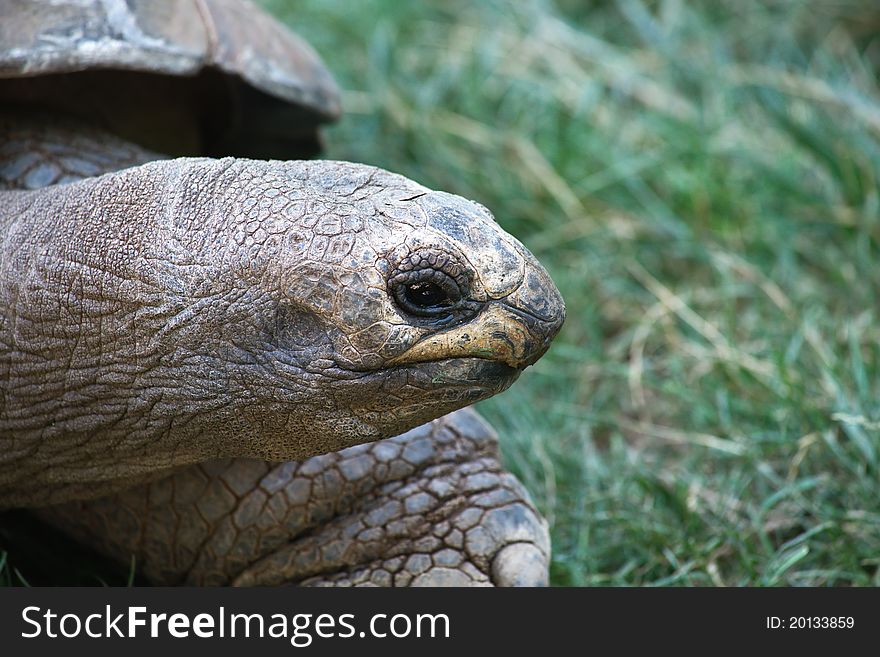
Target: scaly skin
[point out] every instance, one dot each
(184, 311)
(42, 149)
(430, 507)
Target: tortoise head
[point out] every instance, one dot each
(371, 304)
(190, 309)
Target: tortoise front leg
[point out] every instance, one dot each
(430, 507)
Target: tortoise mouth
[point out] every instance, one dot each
(411, 394)
(449, 384)
(471, 371)
(435, 382)
(389, 401)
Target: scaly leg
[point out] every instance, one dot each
(433, 506)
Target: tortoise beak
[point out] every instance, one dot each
(540, 310)
(515, 330)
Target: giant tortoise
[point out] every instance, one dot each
(232, 369)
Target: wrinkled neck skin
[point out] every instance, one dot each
(174, 311)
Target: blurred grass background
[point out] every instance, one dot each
(701, 180)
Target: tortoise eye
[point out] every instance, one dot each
(426, 296)
(433, 284)
(426, 293)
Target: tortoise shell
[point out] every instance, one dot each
(183, 77)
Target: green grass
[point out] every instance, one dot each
(701, 180)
